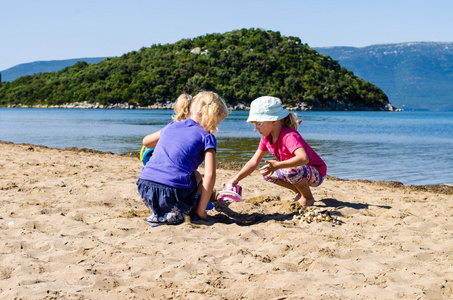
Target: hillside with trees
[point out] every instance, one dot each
(240, 65)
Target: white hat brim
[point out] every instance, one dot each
(254, 117)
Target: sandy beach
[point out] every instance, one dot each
(72, 227)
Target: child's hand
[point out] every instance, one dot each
(269, 168)
(265, 170)
(202, 213)
(232, 182)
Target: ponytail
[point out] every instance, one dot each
(209, 107)
(290, 121)
(182, 107)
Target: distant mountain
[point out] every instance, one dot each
(413, 75)
(36, 67)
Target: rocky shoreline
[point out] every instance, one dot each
(237, 106)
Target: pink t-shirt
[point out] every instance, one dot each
(288, 141)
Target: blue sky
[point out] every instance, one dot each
(34, 30)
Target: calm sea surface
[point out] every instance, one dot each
(414, 148)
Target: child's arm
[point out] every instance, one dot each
(249, 167)
(300, 159)
(151, 140)
(208, 182)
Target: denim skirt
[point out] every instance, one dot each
(168, 205)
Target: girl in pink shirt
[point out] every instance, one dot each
(297, 166)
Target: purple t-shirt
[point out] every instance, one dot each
(288, 141)
(178, 153)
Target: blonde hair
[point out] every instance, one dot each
(182, 107)
(208, 107)
(290, 121)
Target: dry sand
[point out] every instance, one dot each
(72, 227)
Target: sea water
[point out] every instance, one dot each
(414, 148)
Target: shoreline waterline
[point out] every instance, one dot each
(438, 188)
(409, 147)
(169, 105)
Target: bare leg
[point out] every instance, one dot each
(302, 190)
(306, 198)
(200, 187)
(290, 187)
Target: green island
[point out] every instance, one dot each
(239, 65)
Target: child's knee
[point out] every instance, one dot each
(295, 178)
(270, 179)
(301, 182)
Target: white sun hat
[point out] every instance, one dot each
(266, 108)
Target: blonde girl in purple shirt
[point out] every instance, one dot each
(297, 166)
(169, 183)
